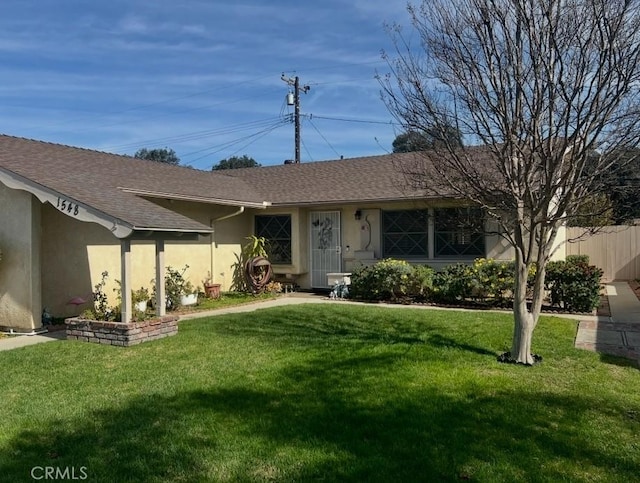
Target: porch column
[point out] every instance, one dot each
(125, 269)
(161, 306)
(431, 234)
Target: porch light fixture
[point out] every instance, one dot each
(358, 214)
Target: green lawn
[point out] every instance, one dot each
(323, 392)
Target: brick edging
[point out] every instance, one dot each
(121, 333)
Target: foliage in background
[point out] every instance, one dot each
(429, 139)
(595, 210)
(160, 155)
(236, 162)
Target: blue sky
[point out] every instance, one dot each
(199, 76)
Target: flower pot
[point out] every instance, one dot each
(141, 306)
(212, 290)
(189, 299)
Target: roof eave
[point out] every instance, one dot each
(194, 198)
(66, 204)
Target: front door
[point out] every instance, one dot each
(326, 248)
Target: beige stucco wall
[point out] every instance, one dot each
(75, 254)
(20, 232)
(362, 240)
(50, 258)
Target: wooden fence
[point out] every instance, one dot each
(616, 250)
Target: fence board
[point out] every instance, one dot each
(616, 250)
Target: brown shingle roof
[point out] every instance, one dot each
(118, 186)
(372, 178)
(96, 179)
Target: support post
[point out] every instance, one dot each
(295, 82)
(125, 276)
(297, 118)
(161, 305)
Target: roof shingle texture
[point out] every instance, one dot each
(94, 179)
(373, 178)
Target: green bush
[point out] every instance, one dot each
(578, 259)
(386, 280)
(573, 284)
(454, 283)
(391, 279)
(493, 279)
(420, 282)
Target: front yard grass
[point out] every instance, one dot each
(323, 392)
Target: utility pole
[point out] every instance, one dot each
(295, 82)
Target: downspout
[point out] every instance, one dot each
(212, 224)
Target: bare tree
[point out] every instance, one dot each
(541, 85)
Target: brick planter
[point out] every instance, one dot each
(119, 333)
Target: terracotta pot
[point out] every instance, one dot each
(212, 290)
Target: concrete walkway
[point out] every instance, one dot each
(15, 342)
(618, 335)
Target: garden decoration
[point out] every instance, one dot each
(258, 273)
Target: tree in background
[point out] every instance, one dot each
(161, 155)
(542, 85)
(422, 140)
(235, 162)
(624, 188)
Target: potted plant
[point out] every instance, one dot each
(189, 294)
(139, 298)
(211, 290)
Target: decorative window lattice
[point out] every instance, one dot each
(405, 234)
(459, 232)
(276, 229)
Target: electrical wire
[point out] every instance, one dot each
(199, 134)
(219, 147)
(365, 121)
(322, 136)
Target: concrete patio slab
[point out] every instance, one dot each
(618, 335)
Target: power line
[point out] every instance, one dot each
(219, 147)
(199, 134)
(365, 121)
(322, 136)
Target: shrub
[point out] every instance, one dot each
(493, 279)
(454, 283)
(386, 280)
(175, 286)
(420, 281)
(573, 284)
(578, 259)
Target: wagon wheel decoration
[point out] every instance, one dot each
(258, 272)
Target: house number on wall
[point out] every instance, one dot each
(67, 206)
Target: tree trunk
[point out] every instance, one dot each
(522, 335)
(524, 320)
